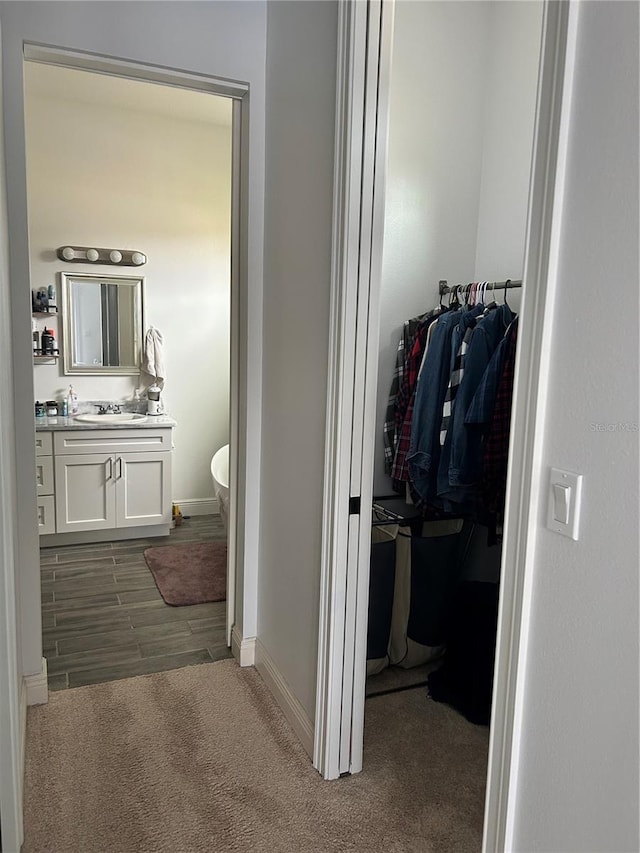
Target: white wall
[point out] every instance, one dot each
(221, 39)
(301, 66)
(512, 58)
(578, 778)
(463, 90)
(103, 175)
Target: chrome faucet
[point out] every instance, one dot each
(110, 409)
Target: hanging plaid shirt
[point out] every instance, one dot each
(390, 435)
(496, 448)
(405, 400)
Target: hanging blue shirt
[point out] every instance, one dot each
(480, 411)
(460, 464)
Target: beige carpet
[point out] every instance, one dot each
(201, 759)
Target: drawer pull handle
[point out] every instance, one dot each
(109, 462)
(119, 467)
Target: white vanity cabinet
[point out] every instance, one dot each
(45, 483)
(112, 480)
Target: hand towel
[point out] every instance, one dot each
(153, 359)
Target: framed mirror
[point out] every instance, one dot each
(102, 323)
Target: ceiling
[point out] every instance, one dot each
(70, 84)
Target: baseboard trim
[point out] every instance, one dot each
(23, 733)
(289, 704)
(36, 690)
(199, 506)
(243, 650)
(114, 534)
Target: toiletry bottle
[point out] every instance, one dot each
(51, 294)
(72, 401)
(47, 342)
(63, 408)
(40, 409)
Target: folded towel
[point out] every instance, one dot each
(153, 371)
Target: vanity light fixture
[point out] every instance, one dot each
(113, 257)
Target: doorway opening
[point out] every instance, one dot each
(348, 556)
(454, 247)
(128, 161)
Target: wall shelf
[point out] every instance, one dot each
(44, 358)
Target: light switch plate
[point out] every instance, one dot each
(564, 502)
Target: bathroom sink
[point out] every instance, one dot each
(122, 418)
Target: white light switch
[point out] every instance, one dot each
(565, 490)
(561, 502)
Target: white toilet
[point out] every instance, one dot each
(220, 475)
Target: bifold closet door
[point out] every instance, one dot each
(364, 46)
(364, 392)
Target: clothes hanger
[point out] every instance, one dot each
(454, 302)
(504, 295)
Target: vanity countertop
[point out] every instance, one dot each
(60, 423)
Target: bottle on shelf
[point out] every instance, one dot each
(48, 342)
(43, 300)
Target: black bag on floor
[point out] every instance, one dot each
(465, 680)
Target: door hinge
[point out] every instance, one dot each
(354, 506)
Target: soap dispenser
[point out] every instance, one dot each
(72, 401)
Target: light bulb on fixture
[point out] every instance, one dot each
(92, 254)
(115, 256)
(138, 258)
(68, 254)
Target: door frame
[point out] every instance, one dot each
(358, 235)
(239, 93)
(12, 696)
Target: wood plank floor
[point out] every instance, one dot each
(104, 619)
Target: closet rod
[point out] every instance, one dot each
(444, 287)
